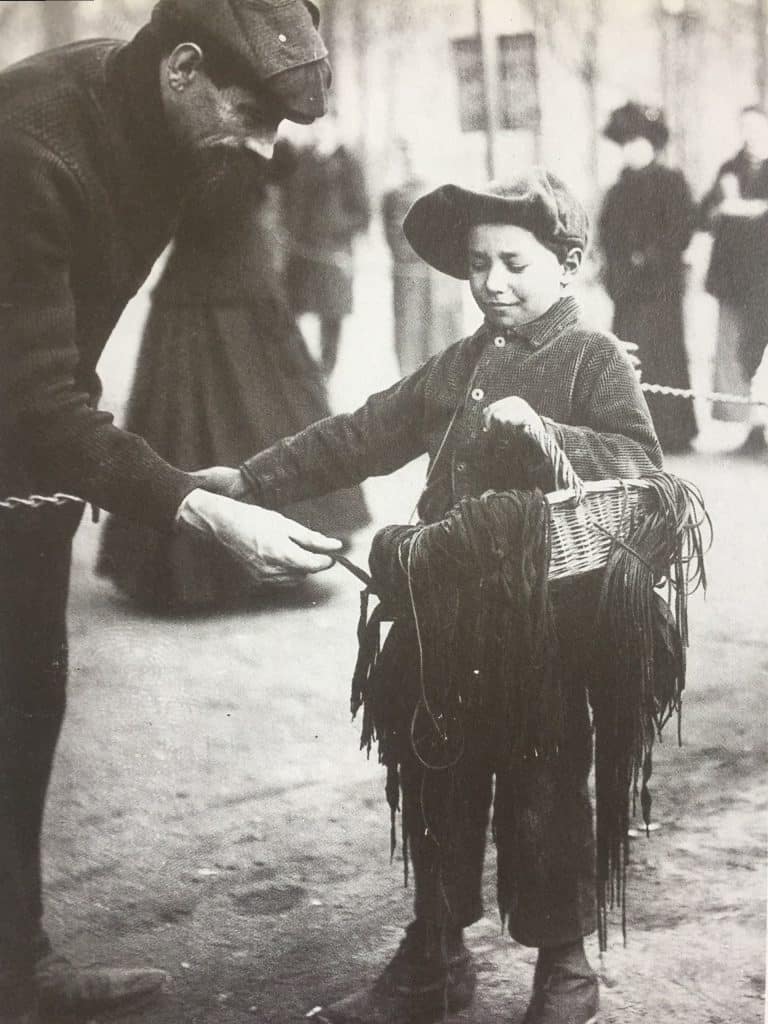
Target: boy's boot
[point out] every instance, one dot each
(565, 988)
(427, 978)
(65, 989)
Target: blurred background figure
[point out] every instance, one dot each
(646, 223)
(426, 307)
(327, 205)
(223, 371)
(736, 212)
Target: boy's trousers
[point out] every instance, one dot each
(542, 824)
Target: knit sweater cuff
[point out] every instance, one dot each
(251, 478)
(553, 430)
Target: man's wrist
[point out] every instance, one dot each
(194, 513)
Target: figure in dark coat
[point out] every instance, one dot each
(327, 206)
(736, 211)
(646, 223)
(99, 142)
(223, 371)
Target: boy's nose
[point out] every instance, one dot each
(496, 282)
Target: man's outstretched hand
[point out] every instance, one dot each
(266, 542)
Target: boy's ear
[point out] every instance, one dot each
(572, 263)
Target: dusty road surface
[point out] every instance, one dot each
(211, 813)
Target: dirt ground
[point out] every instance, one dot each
(211, 812)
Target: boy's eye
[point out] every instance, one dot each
(516, 268)
(478, 263)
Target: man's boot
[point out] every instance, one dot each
(28, 1017)
(565, 988)
(64, 988)
(427, 978)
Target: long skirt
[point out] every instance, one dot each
(214, 385)
(655, 325)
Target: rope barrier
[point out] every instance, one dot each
(40, 501)
(707, 396)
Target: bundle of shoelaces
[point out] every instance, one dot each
(476, 634)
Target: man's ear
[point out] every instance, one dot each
(183, 64)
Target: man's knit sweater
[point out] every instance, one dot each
(89, 192)
(577, 379)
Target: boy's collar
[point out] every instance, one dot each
(564, 313)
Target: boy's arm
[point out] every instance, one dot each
(380, 437)
(617, 439)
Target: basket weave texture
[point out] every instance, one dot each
(585, 518)
(582, 530)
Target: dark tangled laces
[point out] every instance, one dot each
(472, 608)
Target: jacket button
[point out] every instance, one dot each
(461, 466)
(499, 342)
(478, 394)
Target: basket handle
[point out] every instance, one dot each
(566, 477)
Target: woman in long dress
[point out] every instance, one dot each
(646, 223)
(223, 371)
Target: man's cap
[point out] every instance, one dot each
(273, 44)
(637, 121)
(438, 224)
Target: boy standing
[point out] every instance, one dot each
(532, 364)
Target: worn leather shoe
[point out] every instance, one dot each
(565, 988)
(64, 988)
(423, 982)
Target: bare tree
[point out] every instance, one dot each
(59, 22)
(6, 13)
(761, 37)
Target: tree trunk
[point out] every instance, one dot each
(761, 61)
(59, 22)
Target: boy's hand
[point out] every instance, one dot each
(224, 480)
(512, 413)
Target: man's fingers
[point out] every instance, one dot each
(310, 561)
(288, 564)
(311, 540)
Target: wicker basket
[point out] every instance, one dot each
(583, 530)
(586, 517)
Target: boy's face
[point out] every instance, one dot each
(513, 277)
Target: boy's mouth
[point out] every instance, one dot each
(501, 306)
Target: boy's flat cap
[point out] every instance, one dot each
(438, 224)
(272, 43)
